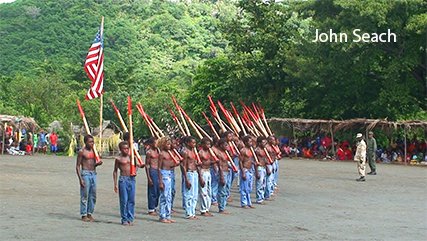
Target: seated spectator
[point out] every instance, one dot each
(29, 149)
(284, 141)
(307, 152)
(294, 152)
(341, 153)
(286, 150)
(348, 153)
(385, 157)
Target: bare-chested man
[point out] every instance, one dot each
(126, 186)
(207, 161)
(165, 171)
(224, 172)
(191, 179)
(86, 172)
(261, 172)
(246, 159)
(152, 170)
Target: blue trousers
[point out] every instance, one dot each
(173, 186)
(261, 184)
(191, 195)
(206, 191)
(246, 188)
(234, 175)
(215, 183)
(88, 193)
(166, 195)
(127, 198)
(276, 172)
(183, 191)
(270, 182)
(153, 192)
(223, 192)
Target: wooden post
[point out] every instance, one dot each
(404, 138)
(100, 124)
(333, 141)
(4, 135)
(293, 132)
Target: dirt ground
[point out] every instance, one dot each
(317, 200)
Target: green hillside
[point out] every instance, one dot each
(152, 49)
(255, 51)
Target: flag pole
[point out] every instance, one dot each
(101, 99)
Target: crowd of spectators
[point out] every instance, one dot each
(320, 147)
(22, 142)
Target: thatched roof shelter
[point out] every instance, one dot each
(19, 122)
(337, 125)
(109, 128)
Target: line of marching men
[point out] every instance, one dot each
(208, 171)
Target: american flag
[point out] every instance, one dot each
(94, 67)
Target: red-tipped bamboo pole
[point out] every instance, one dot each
(82, 114)
(132, 156)
(124, 127)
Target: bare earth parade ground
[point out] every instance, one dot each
(318, 200)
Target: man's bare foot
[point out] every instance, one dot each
(205, 214)
(209, 214)
(214, 204)
(251, 207)
(172, 221)
(165, 221)
(90, 217)
(130, 223)
(152, 213)
(85, 219)
(223, 212)
(245, 207)
(229, 199)
(125, 224)
(193, 218)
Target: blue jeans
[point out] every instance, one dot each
(215, 181)
(276, 172)
(261, 184)
(166, 195)
(127, 198)
(223, 192)
(153, 192)
(206, 191)
(270, 182)
(173, 186)
(246, 188)
(183, 191)
(53, 148)
(88, 193)
(234, 175)
(191, 195)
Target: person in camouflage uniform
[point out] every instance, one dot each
(371, 153)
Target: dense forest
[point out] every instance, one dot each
(254, 51)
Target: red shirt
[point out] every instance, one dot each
(53, 139)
